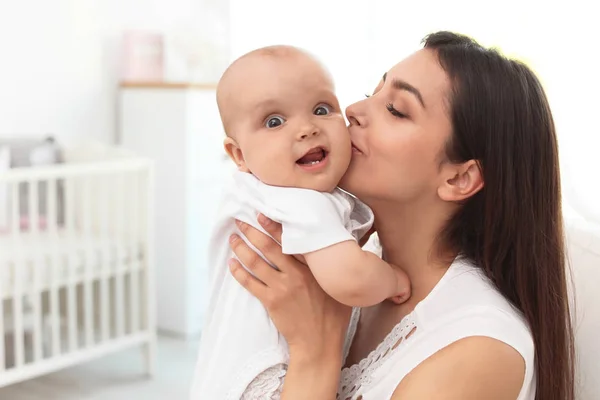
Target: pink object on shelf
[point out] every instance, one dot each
(142, 56)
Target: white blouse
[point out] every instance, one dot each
(464, 303)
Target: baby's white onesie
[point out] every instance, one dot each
(239, 341)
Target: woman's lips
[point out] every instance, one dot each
(356, 150)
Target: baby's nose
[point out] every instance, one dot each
(308, 131)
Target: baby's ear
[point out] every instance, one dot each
(235, 153)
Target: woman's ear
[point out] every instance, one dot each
(235, 153)
(461, 181)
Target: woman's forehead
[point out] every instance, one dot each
(423, 71)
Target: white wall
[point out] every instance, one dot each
(346, 50)
(59, 65)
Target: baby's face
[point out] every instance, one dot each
(288, 124)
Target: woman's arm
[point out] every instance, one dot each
(473, 368)
(313, 323)
(312, 377)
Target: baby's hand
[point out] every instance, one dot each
(403, 285)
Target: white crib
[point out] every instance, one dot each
(76, 266)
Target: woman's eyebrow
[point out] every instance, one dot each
(399, 84)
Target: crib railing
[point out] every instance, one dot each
(76, 268)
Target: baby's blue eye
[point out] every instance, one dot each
(322, 109)
(274, 122)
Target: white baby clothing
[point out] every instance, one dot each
(239, 342)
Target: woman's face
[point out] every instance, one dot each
(399, 134)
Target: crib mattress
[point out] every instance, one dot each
(36, 262)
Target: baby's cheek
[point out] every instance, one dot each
(272, 167)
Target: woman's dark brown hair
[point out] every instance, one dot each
(512, 228)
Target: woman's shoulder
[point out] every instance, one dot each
(465, 303)
(465, 291)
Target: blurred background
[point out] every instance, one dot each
(111, 160)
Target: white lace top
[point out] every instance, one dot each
(464, 303)
(267, 385)
(358, 376)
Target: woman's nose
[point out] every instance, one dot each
(353, 121)
(355, 115)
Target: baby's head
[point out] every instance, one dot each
(282, 119)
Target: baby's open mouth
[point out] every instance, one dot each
(313, 156)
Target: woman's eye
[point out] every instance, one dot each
(274, 122)
(322, 109)
(394, 112)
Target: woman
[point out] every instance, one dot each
(456, 154)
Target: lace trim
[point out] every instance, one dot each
(267, 385)
(360, 375)
(260, 363)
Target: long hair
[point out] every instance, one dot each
(513, 227)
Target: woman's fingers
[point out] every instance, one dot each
(265, 244)
(249, 282)
(272, 227)
(252, 260)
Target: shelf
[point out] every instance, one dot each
(168, 85)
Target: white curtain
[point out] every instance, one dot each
(359, 40)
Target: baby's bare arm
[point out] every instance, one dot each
(356, 277)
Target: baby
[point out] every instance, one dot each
(287, 136)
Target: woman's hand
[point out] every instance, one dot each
(313, 323)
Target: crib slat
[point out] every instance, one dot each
(19, 266)
(88, 261)
(36, 269)
(149, 271)
(52, 215)
(3, 278)
(134, 263)
(69, 207)
(104, 193)
(3, 281)
(119, 214)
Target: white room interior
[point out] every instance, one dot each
(61, 75)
